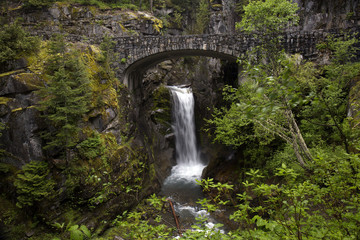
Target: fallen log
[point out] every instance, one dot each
(175, 217)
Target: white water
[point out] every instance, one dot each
(181, 185)
(184, 127)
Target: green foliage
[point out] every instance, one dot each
(103, 195)
(327, 111)
(219, 194)
(79, 232)
(343, 49)
(239, 7)
(65, 98)
(178, 19)
(202, 17)
(306, 208)
(134, 225)
(16, 43)
(75, 231)
(33, 184)
(37, 3)
(292, 101)
(162, 106)
(4, 168)
(109, 4)
(92, 147)
(157, 202)
(266, 20)
(264, 106)
(269, 16)
(108, 55)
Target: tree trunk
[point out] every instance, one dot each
(299, 145)
(151, 5)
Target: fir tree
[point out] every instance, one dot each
(16, 43)
(64, 101)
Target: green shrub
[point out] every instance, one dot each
(92, 147)
(33, 184)
(16, 43)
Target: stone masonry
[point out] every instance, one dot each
(136, 54)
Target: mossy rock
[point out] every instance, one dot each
(6, 74)
(354, 99)
(12, 219)
(31, 80)
(161, 110)
(4, 100)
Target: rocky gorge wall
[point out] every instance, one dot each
(327, 14)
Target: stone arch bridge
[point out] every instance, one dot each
(136, 54)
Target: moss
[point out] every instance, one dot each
(104, 94)
(96, 50)
(12, 219)
(122, 27)
(17, 109)
(75, 12)
(10, 73)
(36, 63)
(93, 10)
(29, 79)
(62, 4)
(4, 100)
(354, 98)
(130, 16)
(162, 105)
(152, 172)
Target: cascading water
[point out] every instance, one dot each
(181, 185)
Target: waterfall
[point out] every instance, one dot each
(184, 127)
(181, 185)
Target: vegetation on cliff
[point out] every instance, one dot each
(66, 98)
(84, 167)
(15, 43)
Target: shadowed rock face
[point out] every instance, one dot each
(321, 14)
(21, 138)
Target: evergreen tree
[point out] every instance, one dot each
(202, 17)
(64, 101)
(15, 43)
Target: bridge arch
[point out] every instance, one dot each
(133, 73)
(137, 54)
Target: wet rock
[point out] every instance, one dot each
(13, 65)
(21, 138)
(19, 83)
(4, 109)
